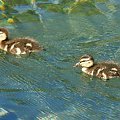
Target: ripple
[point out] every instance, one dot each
(45, 85)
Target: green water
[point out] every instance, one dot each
(45, 86)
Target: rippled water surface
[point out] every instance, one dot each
(45, 86)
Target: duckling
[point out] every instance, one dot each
(104, 70)
(18, 46)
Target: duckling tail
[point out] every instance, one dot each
(43, 49)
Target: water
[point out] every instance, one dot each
(45, 86)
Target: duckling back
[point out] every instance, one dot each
(20, 46)
(103, 70)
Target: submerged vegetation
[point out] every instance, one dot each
(75, 6)
(6, 12)
(10, 15)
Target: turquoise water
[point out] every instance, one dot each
(45, 86)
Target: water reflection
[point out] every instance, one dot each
(46, 86)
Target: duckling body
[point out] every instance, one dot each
(104, 70)
(18, 46)
(21, 46)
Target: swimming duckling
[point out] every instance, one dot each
(103, 70)
(18, 46)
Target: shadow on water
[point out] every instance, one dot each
(45, 85)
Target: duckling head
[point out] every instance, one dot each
(3, 34)
(85, 61)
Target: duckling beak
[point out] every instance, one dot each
(77, 64)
